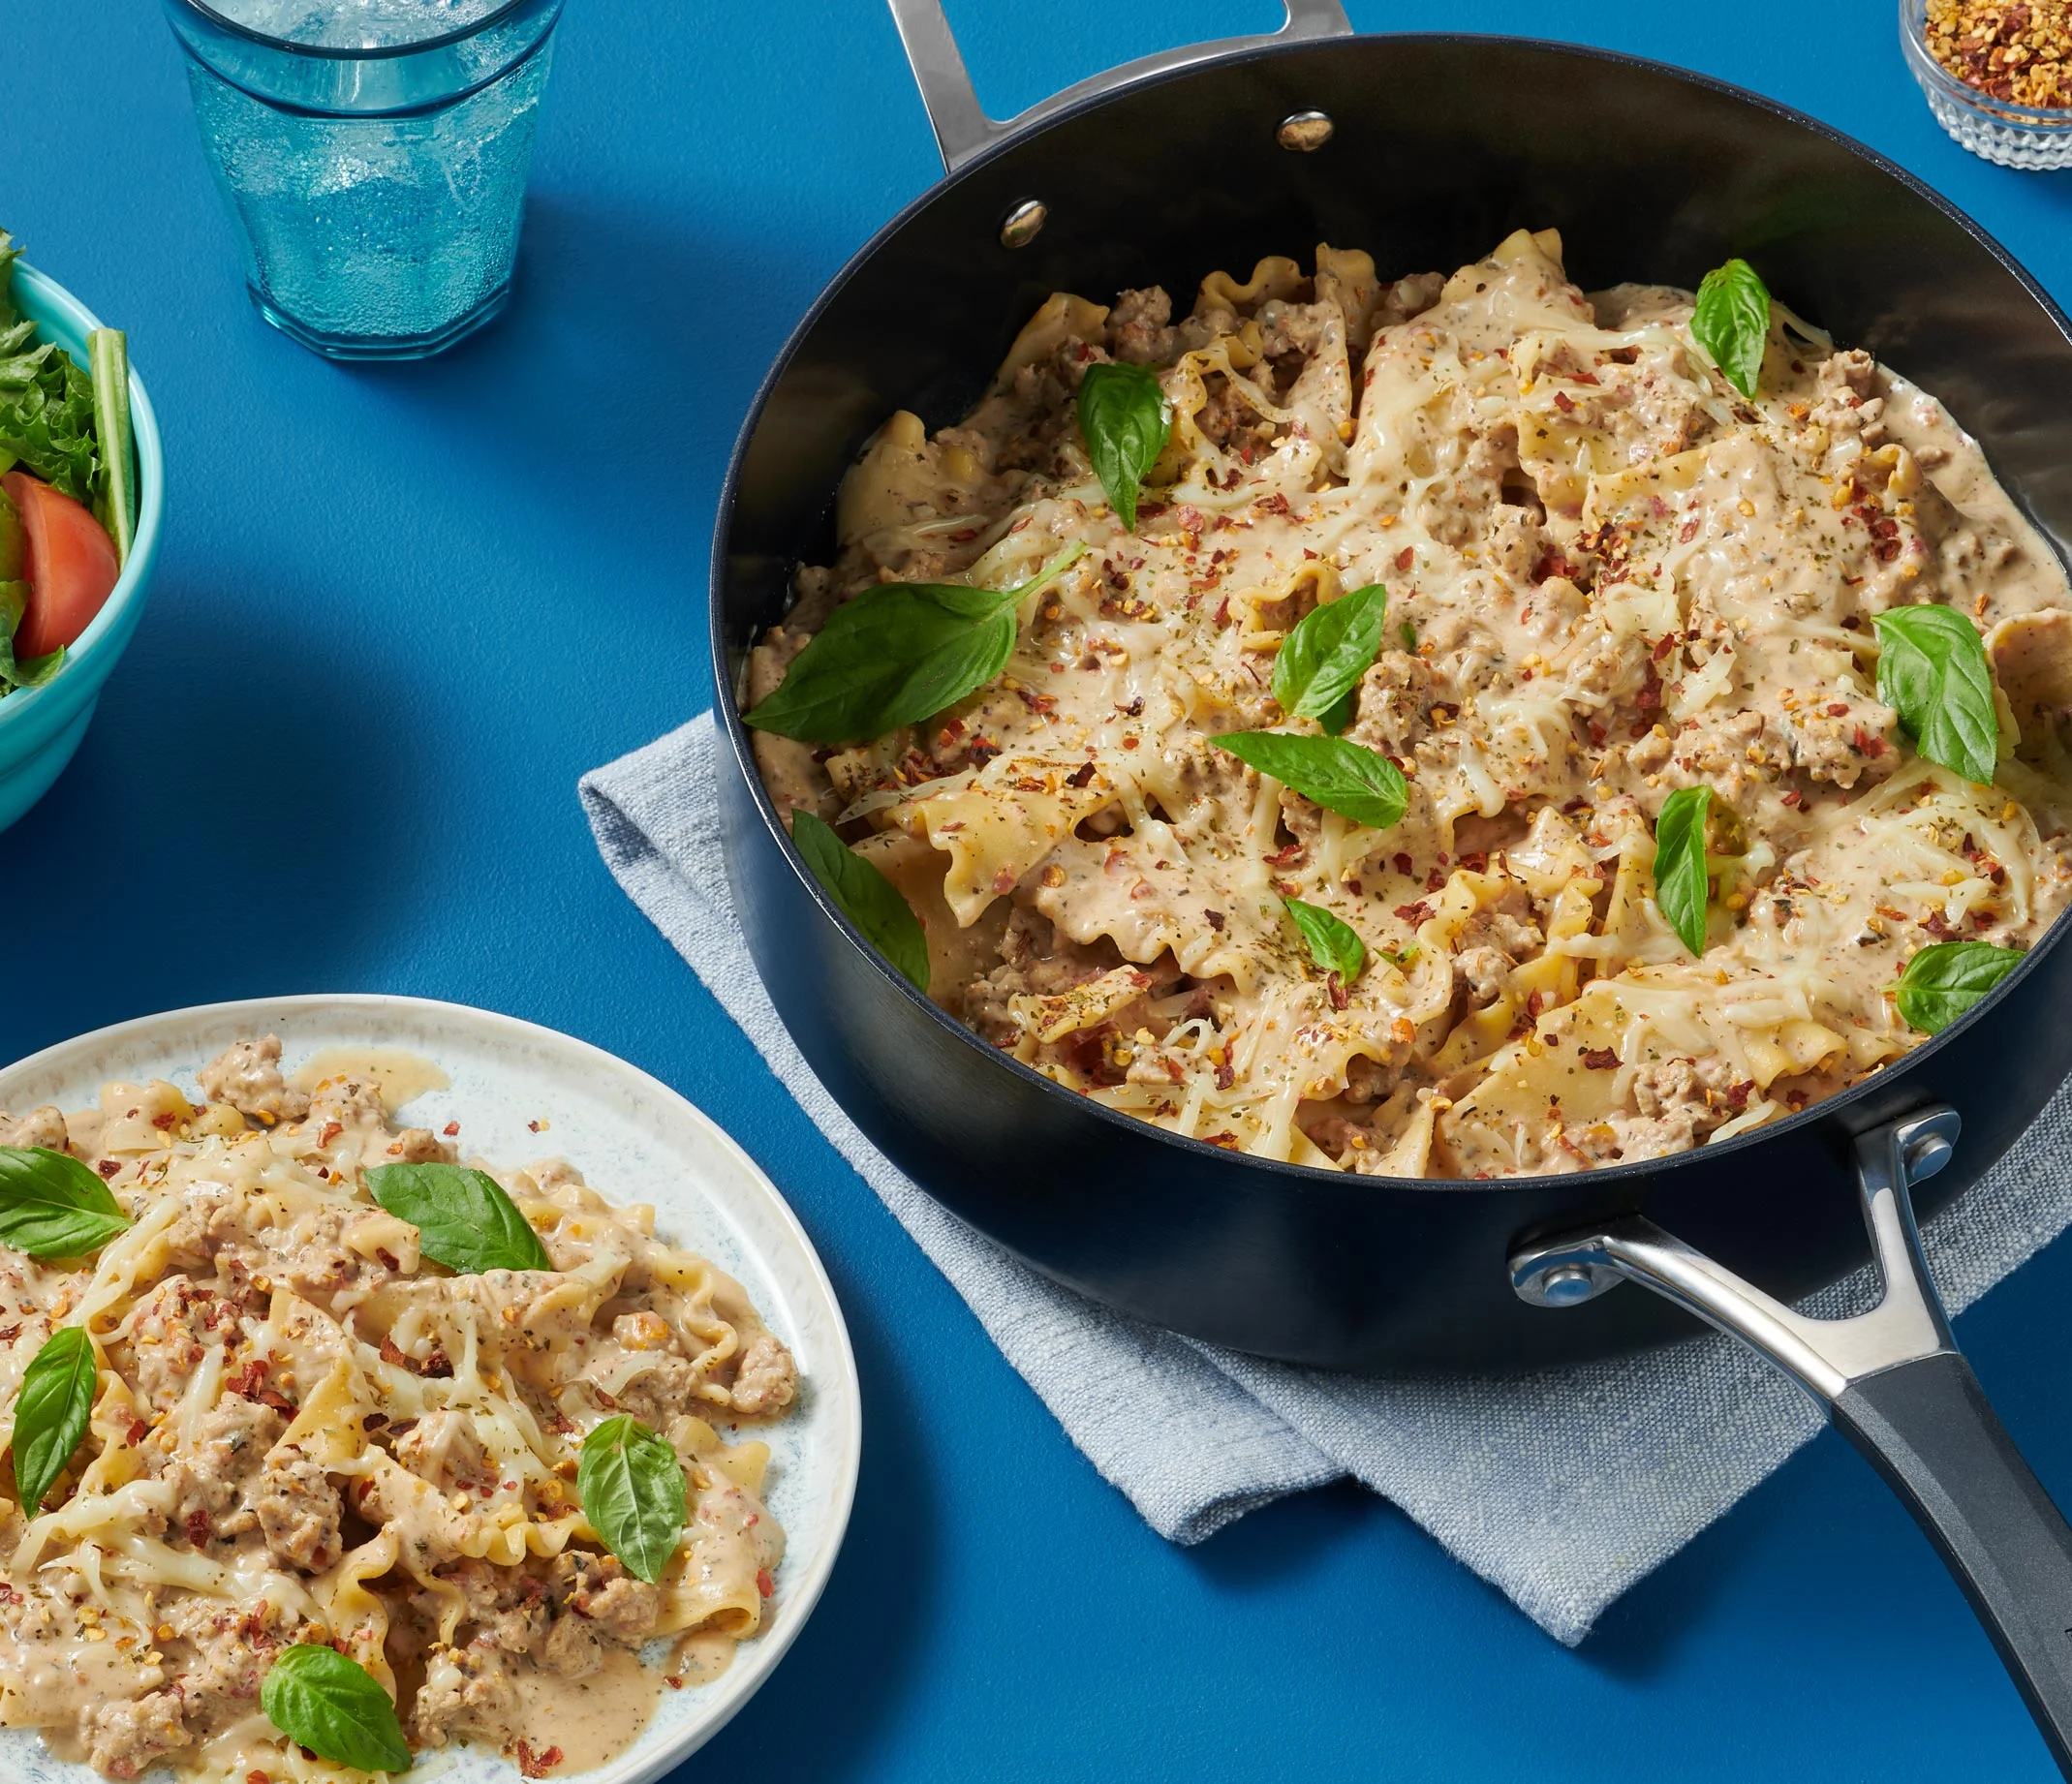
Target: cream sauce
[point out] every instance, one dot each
(592, 1720)
(398, 1074)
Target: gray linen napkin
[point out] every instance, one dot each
(1562, 1487)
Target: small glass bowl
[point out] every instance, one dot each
(2014, 135)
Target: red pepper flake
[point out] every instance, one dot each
(137, 1430)
(535, 1762)
(1081, 776)
(248, 1380)
(1794, 798)
(1406, 558)
(1404, 863)
(107, 1167)
(674, 1680)
(1289, 856)
(1737, 1096)
(1937, 925)
(387, 1258)
(258, 1777)
(1414, 913)
(1838, 709)
(1600, 1058)
(1213, 918)
(1688, 531)
(451, 1130)
(1598, 733)
(1225, 1076)
(197, 1528)
(1477, 861)
(1564, 403)
(1435, 881)
(1868, 745)
(1275, 503)
(763, 1582)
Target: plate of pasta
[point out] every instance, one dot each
(390, 1383)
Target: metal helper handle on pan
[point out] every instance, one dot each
(1894, 1382)
(961, 125)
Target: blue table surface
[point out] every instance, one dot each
(400, 610)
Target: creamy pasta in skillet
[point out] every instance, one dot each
(1699, 753)
(305, 1435)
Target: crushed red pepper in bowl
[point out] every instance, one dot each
(1996, 74)
(2022, 52)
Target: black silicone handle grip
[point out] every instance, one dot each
(1927, 1429)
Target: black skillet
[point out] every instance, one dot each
(1425, 150)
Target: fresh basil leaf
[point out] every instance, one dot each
(896, 654)
(1732, 322)
(51, 1409)
(1342, 776)
(1946, 978)
(1316, 673)
(1680, 881)
(632, 1488)
(1126, 421)
(323, 1701)
(867, 898)
(1931, 671)
(463, 1218)
(1334, 945)
(53, 1205)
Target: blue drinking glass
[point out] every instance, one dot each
(374, 156)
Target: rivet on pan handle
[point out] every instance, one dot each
(961, 125)
(1894, 1383)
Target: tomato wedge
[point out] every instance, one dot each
(71, 564)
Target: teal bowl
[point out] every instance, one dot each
(39, 727)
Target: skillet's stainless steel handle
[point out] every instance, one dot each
(1824, 1356)
(961, 125)
(1894, 1385)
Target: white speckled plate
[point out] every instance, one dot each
(637, 1141)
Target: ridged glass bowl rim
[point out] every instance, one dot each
(1914, 33)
